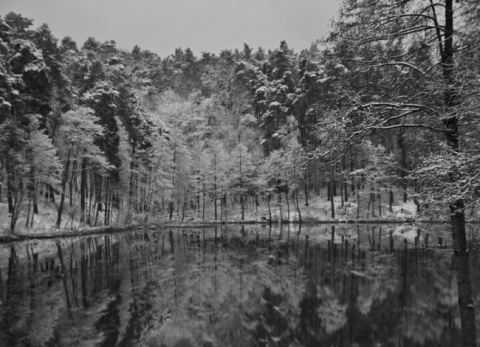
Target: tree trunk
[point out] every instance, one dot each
(62, 197)
(403, 168)
(98, 183)
(51, 193)
(17, 204)
(344, 179)
(106, 217)
(358, 204)
(83, 190)
(33, 191)
(306, 188)
(457, 208)
(288, 207)
(299, 212)
(329, 191)
(464, 282)
(332, 187)
(373, 203)
(379, 205)
(242, 202)
(203, 204)
(1, 181)
(391, 200)
(352, 166)
(369, 203)
(90, 199)
(10, 185)
(215, 200)
(34, 197)
(269, 208)
(28, 211)
(170, 206)
(341, 193)
(72, 181)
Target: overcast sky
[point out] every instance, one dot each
(163, 25)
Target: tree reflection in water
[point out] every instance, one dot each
(234, 286)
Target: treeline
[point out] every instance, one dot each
(125, 134)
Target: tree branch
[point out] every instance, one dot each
(401, 63)
(399, 106)
(396, 126)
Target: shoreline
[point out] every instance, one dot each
(114, 229)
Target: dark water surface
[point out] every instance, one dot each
(235, 286)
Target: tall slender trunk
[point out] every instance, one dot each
(51, 193)
(32, 190)
(28, 211)
(98, 183)
(329, 194)
(170, 207)
(83, 190)
(391, 200)
(403, 168)
(332, 203)
(269, 208)
(174, 168)
(17, 203)
(306, 186)
(224, 206)
(379, 204)
(1, 180)
(288, 206)
(295, 202)
(184, 205)
(242, 205)
(107, 198)
(10, 184)
(72, 181)
(344, 179)
(90, 199)
(373, 201)
(358, 203)
(341, 192)
(457, 208)
(352, 166)
(34, 199)
(215, 199)
(464, 281)
(64, 184)
(203, 203)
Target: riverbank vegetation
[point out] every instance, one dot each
(378, 120)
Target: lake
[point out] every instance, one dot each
(252, 285)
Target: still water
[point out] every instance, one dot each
(234, 286)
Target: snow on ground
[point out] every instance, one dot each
(318, 209)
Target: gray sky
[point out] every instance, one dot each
(163, 25)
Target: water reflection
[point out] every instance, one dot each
(234, 286)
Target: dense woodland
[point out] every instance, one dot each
(387, 102)
(386, 105)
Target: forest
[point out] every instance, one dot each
(382, 110)
(377, 121)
